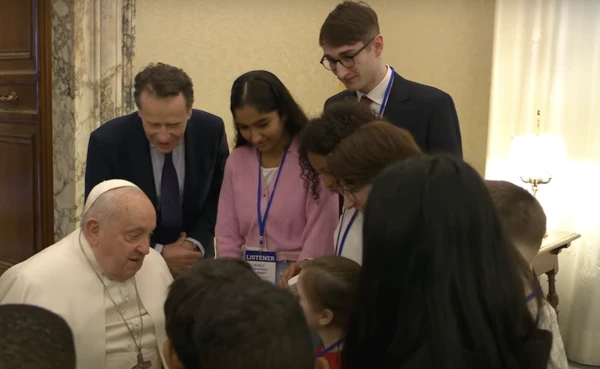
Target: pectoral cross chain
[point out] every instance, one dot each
(141, 364)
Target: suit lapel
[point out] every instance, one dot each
(399, 95)
(139, 151)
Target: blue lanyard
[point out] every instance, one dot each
(262, 219)
(331, 347)
(386, 95)
(339, 247)
(530, 297)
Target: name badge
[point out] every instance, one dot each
(264, 263)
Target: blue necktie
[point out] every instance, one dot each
(170, 203)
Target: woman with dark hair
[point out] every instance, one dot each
(265, 213)
(440, 287)
(321, 136)
(360, 157)
(348, 147)
(324, 133)
(353, 165)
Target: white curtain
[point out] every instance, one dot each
(547, 58)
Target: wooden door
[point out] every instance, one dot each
(26, 199)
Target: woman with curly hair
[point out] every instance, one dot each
(265, 214)
(320, 136)
(348, 146)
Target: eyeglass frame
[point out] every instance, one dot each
(351, 57)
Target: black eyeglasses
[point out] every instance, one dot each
(346, 60)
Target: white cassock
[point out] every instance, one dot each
(60, 279)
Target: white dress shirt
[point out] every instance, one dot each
(353, 246)
(378, 93)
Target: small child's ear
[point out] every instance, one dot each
(171, 356)
(326, 317)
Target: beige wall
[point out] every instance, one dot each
(216, 41)
(445, 43)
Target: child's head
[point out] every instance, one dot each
(221, 269)
(327, 290)
(521, 215)
(221, 315)
(33, 337)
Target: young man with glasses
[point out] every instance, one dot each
(352, 50)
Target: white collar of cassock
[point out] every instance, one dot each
(87, 249)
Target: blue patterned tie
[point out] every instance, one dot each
(170, 203)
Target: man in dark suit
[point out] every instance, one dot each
(175, 154)
(352, 48)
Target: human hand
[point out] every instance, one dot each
(179, 257)
(189, 245)
(292, 270)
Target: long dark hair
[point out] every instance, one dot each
(441, 285)
(265, 92)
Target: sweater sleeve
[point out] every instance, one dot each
(321, 220)
(227, 231)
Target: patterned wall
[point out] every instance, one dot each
(92, 56)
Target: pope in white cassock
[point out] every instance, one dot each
(104, 280)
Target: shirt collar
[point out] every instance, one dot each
(378, 93)
(87, 249)
(178, 147)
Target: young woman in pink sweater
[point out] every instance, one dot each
(267, 215)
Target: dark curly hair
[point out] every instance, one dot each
(265, 92)
(322, 134)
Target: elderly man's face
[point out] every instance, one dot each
(121, 242)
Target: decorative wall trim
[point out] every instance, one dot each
(93, 45)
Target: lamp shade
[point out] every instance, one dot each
(537, 156)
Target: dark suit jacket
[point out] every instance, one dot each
(426, 112)
(119, 149)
